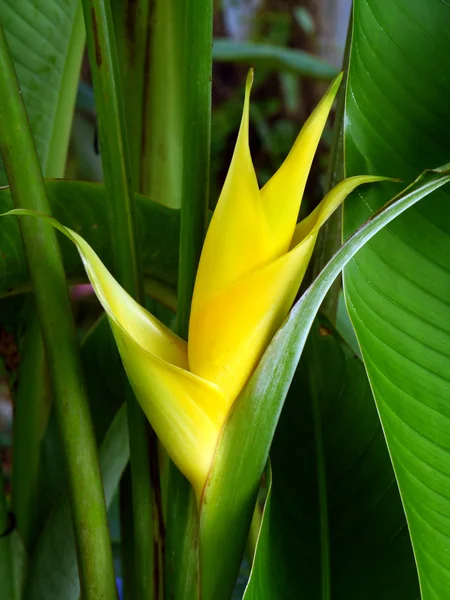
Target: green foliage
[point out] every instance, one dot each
(333, 523)
(46, 40)
(397, 121)
(242, 452)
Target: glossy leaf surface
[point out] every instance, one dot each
(333, 524)
(398, 123)
(243, 449)
(46, 40)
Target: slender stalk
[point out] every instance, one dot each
(29, 422)
(33, 396)
(60, 342)
(196, 148)
(330, 235)
(117, 169)
(131, 26)
(182, 531)
(6, 558)
(162, 128)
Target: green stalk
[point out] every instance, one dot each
(32, 401)
(60, 342)
(117, 169)
(6, 558)
(196, 148)
(29, 423)
(131, 26)
(330, 236)
(182, 528)
(162, 128)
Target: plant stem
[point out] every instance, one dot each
(330, 235)
(196, 149)
(182, 531)
(60, 342)
(117, 169)
(162, 128)
(131, 26)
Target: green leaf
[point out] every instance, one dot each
(230, 494)
(81, 206)
(397, 289)
(46, 40)
(333, 525)
(273, 57)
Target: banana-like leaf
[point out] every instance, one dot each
(333, 524)
(46, 41)
(398, 287)
(230, 493)
(81, 206)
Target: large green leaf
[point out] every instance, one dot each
(398, 288)
(229, 497)
(334, 524)
(46, 40)
(81, 206)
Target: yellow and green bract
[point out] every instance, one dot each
(253, 261)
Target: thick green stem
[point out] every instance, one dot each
(182, 533)
(162, 128)
(118, 176)
(196, 148)
(60, 342)
(131, 26)
(330, 236)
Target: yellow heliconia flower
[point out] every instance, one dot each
(253, 261)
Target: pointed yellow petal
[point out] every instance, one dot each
(146, 330)
(186, 412)
(313, 222)
(230, 332)
(238, 238)
(283, 193)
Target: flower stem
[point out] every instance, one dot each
(60, 342)
(196, 149)
(117, 168)
(182, 527)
